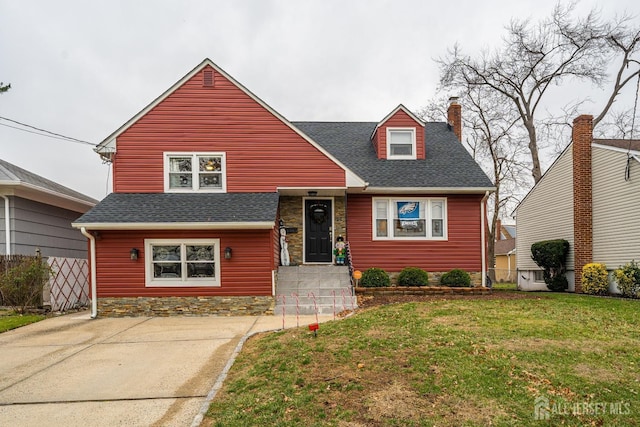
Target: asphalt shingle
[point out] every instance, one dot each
(447, 163)
(183, 207)
(11, 173)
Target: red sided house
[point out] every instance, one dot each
(206, 176)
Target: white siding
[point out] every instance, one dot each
(547, 212)
(616, 209)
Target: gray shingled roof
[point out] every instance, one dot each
(447, 163)
(212, 208)
(14, 175)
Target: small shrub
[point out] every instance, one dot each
(456, 277)
(21, 286)
(551, 255)
(557, 283)
(375, 278)
(413, 276)
(628, 280)
(595, 280)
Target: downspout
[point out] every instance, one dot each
(94, 290)
(7, 224)
(483, 238)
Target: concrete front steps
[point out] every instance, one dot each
(330, 284)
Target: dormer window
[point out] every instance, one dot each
(195, 172)
(401, 143)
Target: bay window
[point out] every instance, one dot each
(411, 218)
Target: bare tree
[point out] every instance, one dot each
(495, 138)
(536, 57)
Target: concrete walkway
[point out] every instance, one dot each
(75, 371)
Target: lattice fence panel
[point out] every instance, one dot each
(69, 283)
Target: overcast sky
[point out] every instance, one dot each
(83, 68)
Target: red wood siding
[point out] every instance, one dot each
(248, 272)
(399, 120)
(262, 152)
(461, 250)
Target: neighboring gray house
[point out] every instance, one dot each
(590, 197)
(37, 213)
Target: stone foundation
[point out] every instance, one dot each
(185, 306)
(422, 290)
(434, 278)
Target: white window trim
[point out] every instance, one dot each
(414, 156)
(391, 202)
(194, 173)
(537, 279)
(150, 281)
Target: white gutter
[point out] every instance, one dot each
(482, 239)
(425, 190)
(263, 225)
(7, 224)
(94, 287)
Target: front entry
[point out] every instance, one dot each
(318, 223)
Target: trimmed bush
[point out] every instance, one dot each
(628, 280)
(551, 255)
(595, 280)
(413, 276)
(375, 278)
(456, 278)
(21, 286)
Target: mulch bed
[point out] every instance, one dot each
(373, 301)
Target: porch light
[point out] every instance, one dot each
(227, 252)
(133, 253)
(312, 193)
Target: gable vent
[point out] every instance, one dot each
(207, 78)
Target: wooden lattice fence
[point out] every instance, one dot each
(69, 283)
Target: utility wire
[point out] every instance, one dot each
(46, 132)
(41, 134)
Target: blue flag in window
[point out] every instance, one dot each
(408, 210)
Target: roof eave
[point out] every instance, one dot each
(422, 190)
(249, 225)
(44, 195)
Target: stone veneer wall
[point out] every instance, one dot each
(434, 278)
(185, 306)
(292, 216)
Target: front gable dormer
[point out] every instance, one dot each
(399, 136)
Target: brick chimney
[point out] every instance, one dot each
(454, 116)
(498, 235)
(582, 210)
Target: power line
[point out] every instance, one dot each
(46, 133)
(41, 134)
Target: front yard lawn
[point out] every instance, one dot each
(462, 362)
(10, 320)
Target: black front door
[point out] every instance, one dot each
(318, 221)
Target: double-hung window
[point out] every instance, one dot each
(171, 262)
(401, 143)
(195, 172)
(412, 218)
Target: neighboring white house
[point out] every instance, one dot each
(590, 196)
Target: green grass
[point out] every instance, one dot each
(445, 362)
(9, 320)
(506, 286)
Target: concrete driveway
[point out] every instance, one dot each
(74, 371)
